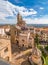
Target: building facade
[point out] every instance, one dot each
(21, 33)
(5, 49)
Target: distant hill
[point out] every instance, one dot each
(38, 25)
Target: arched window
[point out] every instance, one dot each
(23, 40)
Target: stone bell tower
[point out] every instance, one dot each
(19, 17)
(20, 21)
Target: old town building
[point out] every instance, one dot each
(21, 33)
(5, 49)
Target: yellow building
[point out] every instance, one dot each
(5, 49)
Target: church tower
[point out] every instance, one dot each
(20, 21)
(19, 18)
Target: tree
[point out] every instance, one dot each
(46, 48)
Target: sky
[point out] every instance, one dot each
(32, 11)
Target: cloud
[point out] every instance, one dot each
(24, 11)
(27, 12)
(2, 15)
(8, 14)
(8, 21)
(42, 20)
(18, 1)
(41, 8)
(7, 9)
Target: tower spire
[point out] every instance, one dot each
(19, 18)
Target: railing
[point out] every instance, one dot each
(4, 37)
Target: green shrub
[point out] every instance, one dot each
(46, 48)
